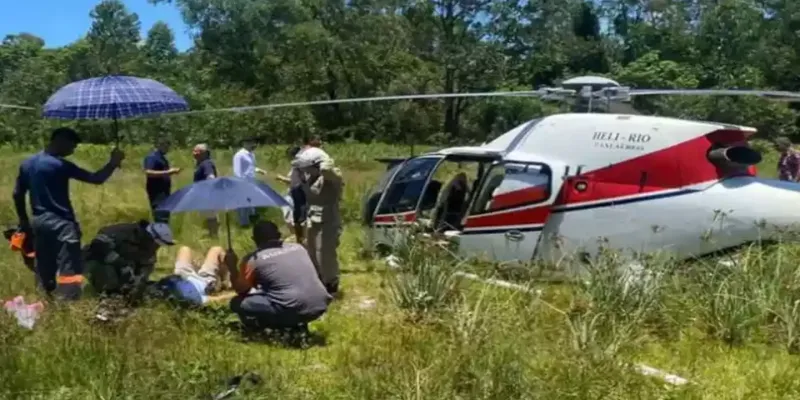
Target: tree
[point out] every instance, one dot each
(114, 37)
(159, 47)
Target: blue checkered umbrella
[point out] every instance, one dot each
(112, 97)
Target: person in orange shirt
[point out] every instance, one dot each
(277, 285)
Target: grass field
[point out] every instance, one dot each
(733, 332)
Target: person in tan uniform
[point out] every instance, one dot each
(323, 189)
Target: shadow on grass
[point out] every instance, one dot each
(228, 324)
(287, 338)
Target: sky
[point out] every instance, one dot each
(61, 22)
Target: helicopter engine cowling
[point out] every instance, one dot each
(734, 157)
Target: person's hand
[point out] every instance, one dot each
(261, 171)
(175, 170)
(231, 260)
(117, 156)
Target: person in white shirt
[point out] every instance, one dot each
(244, 166)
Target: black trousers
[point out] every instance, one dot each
(155, 200)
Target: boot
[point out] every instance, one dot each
(332, 288)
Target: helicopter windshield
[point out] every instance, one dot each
(406, 188)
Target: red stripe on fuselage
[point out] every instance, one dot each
(529, 216)
(528, 195)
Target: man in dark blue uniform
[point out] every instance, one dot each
(57, 235)
(159, 178)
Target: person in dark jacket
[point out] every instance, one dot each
(121, 257)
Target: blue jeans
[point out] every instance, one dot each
(299, 209)
(59, 259)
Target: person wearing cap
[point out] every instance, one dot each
(244, 166)
(44, 177)
(121, 257)
(323, 189)
(206, 169)
(159, 177)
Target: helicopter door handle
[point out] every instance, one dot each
(515, 235)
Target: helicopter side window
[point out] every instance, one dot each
(406, 189)
(512, 185)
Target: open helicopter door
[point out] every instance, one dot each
(506, 219)
(408, 188)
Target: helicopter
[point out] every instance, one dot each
(574, 183)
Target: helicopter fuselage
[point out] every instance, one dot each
(572, 184)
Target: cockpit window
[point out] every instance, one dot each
(384, 181)
(406, 188)
(511, 185)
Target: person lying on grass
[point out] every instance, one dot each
(288, 292)
(194, 283)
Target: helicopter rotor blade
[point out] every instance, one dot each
(539, 93)
(16, 107)
(768, 94)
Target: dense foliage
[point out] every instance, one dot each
(249, 52)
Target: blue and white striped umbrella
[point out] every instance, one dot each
(112, 97)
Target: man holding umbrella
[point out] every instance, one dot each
(57, 235)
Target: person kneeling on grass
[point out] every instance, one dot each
(121, 257)
(290, 294)
(192, 283)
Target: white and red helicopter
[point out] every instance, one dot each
(570, 183)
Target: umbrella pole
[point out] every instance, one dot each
(116, 131)
(228, 228)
